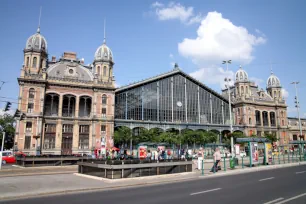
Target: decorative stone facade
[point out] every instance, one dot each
(68, 106)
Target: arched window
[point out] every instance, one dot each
(31, 93)
(282, 114)
(104, 99)
(272, 119)
(257, 114)
(242, 90)
(250, 121)
(283, 123)
(27, 61)
(104, 71)
(275, 94)
(265, 118)
(34, 62)
(98, 70)
(238, 112)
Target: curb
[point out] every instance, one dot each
(35, 174)
(95, 189)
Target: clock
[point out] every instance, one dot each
(179, 104)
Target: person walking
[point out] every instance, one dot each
(217, 158)
(149, 155)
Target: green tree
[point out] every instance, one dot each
(122, 135)
(271, 137)
(7, 125)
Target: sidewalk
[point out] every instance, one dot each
(40, 185)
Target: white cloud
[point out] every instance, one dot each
(157, 4)
(219, 39)
(176, 11)
(213, 75)
(171, 55)
(260, 32)
(285, 93)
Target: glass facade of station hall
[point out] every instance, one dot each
(176, 98)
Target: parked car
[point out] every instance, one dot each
(8, 157)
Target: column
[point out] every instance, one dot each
(58, 135)
(210, 102)
(269, 119)
(199, 107)
(75, 137)
(261, 121)
(186, 115)
(142, 116)
(126, 105)
(222, 112)
(77, 106)
(172, 101)
(60, 105)
(157, 101)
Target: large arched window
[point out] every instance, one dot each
(104, 99)
(265, 118)
(272, 119)
(31, 93)
(257, 114)
(34, 62)
(104, 71)
(250, 121)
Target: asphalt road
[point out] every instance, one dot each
(287, 185)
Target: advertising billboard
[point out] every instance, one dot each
(254, 152)
(268, 153)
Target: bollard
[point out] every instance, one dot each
(224, 164)
(242, 162)
(202, 167)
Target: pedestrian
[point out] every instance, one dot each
(149, 155)
(217, 158)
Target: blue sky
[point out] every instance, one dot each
(147, 37)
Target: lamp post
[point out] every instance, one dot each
(297, 107)
(227, 81)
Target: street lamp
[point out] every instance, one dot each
(296, 101)
(227, 81)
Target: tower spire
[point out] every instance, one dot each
(38, 29)
(271, 70)
(104, 41)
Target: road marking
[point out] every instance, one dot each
(300, 172)
(293, 198)
(266, 179)
(216, 189)
(273, 201)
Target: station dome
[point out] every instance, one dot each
(241, 75)
(36, 42)
(104, 53)
(273, 81)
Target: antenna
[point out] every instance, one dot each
(38, 29)
(104, 41)
(271, 67)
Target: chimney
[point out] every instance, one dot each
(53, 59)
(82, 61)
(70, 55)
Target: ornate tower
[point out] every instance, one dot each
(242, 82)
(35, 54)
(103, 63)
(274, 87)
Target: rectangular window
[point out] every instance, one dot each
(29, 127)
(103, 128)
(84, 129)
(104, 112)
(27, 142)
(50, 128)
(30, 108)
(67, 128)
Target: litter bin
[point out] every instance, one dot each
(233, 162)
